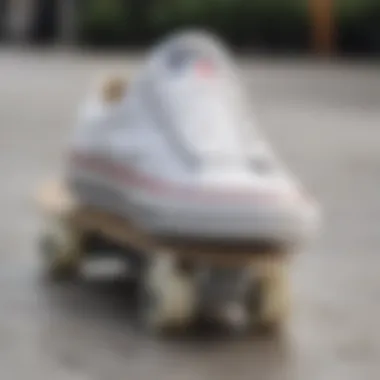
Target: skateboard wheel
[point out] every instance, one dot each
(60, 248)
(167, 297)
(268, 300)
(59, 265)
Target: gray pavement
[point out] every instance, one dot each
(323, 119)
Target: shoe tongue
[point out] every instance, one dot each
(207, 115)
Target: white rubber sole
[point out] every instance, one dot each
(190, 219)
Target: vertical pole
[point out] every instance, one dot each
(322, 19)
(18, 19)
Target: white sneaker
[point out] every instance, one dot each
(178, 152)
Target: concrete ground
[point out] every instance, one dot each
(322, 118)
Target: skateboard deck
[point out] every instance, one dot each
(54, 199)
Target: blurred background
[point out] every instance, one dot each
(344, 27)
(321, 115)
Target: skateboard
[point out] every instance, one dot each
(242, 287)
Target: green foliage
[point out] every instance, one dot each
(358, 25)
(277, 24)
(104, 21)
(242, 22)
